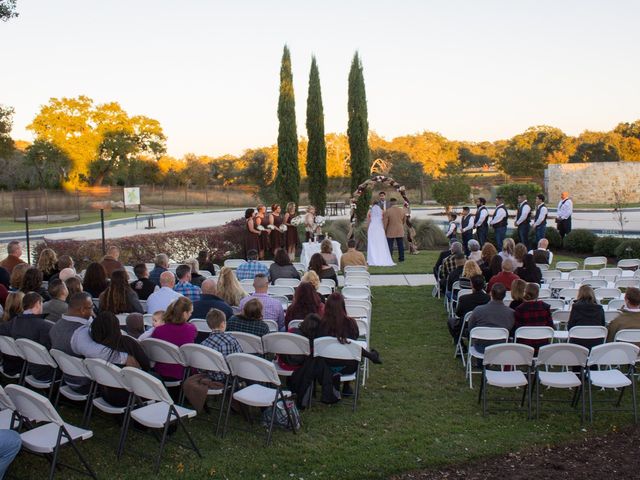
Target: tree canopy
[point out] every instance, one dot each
(8, 10)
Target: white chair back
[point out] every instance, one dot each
(8, 347)
(508, 354)
(610, 315)
(595, 282)
(105, 373)
(607, 293)
(610, 273)
(568, 293)
(554, 303)
(204, 358)
(533, 333)
(272, 324)
(249, 343)
(560, 316)
(630, 335)
(627, 283)
(579, 275)
(287, 282)
(567, 266)
(234, 263)
(160, 351)
(359, 291)
(69, 364)
(5, 401)
(489, 334)
(560, 284)
(549, 275)
(588, 332)
(629, 264)
(617, 353)
(591, 262)
(330, 347)
(358, 301)
(615, 304)
(355, 268)
(252, 368)
(32, 405)
(286, 344)
(295, 323)
(363, 328)
(563, 354)
(35, 353)
(122, 319)
(246, 282)
(280, 290)
(351, 280)
(544, 293)
(201, 325)
(266, 263)
(329, 282)
(145, 385)
(324, 290)
(357, 311)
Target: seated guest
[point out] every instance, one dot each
(310, 329)
(157, 319)
(57, 306)
(29, 324)
(272, 308)
(494, 314)
(176, 330)
(353, 257)
(467, 303)
(5, 278)
(184, 285)
(162, 298)
(210, 300)
(134, 325)
(10, 446)
(47, 263)
(161, 265)
(529, 271)
(542, 255)
(119, 297)
(326, 250)
(629, 317)
(532, 313)
(312, 278)
(196, 278)
(197, 386)
(487, 253)
(73, 284)
(14, 252)
(205, 263)
(586, 311)
(506, 276)
(449, 263)
(64, 261)
(17, 276)
(95, 280)
(110, 261)
(282, 267)
(508, 249)
(441, 258)
(250, 320)
(519, 254)
(474, 251)
(251, 267)
(470, 269)
(229, 288)
(517, 293)
(318, 264)
(305, 301)
(142, 286)
(455, 274)
(12, 306)
(32, 282)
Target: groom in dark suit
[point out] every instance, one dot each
(393, 220)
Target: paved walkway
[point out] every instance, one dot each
(399, 280)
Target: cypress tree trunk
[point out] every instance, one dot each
(358, 131)
(316, 150)
(287, 181)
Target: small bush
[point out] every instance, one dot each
(555, 240)
(338, 230)
(628, 249)
(429, 236)
(451, 190)
(580, 241)
(510, 193)
(606, 246)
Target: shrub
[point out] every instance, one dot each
(224, 241)
(580, 241)
(429, 236)
(510, 193)
(338, 230)
(451, 190)
(555, 240)
(606, 246)
(551, 234)
(628, 249)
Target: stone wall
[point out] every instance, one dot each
(592, 183)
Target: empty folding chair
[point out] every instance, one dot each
(568, 294)
(595, 263)
(482, 334)
(287, 282)
(564, 356)
(331, 348)
(8, 347)
(301, 267)
(281, 343)
(280, 290)
(37, 355)
(502, 355)
(624, 283)
(272, 324)
(595, 282)
(295, 323)
(360, 291)
(616, 304)
(555, 303)
(73, 367)
(560, 318)
(610, 274)
(604, 295)
(629, 264)
(324, 290)
(544, 293)
(579, 275)
(351, 280)
(542, 266)
(567, 266)
(246, 282)
(358, 301)
(560, 284)
(158, 415)
(250, 343)
(209, 360)
(610, 315)
(355, 268)
(329, 282)
(587, 335)
(260, 371)
(548, 275)
(53, 433)
(605, 357)
(535, 335)
(234, 263)
(357, 311)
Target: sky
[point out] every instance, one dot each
(208, 70)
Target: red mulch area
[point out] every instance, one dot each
(610, 454)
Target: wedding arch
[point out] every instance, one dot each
(400, 189)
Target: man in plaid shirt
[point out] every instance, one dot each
(219, 340)
(184, 285)
(252, 267)
(272, 308)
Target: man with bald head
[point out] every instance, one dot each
(161, 299)
(563, 214)
(272, 308)
(209, 299)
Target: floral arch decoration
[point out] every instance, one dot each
(400, 189)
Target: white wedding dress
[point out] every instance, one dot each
(377, 247)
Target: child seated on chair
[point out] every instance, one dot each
(156, 321)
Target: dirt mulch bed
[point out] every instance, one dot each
(610, 454)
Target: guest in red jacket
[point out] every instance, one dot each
(505, 277)
(533, 313)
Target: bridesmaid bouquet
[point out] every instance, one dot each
(271, 227)
(260, 228)
(297, 221)
(283, 228)
(319, 221)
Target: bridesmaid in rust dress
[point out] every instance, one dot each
(291, 235)
(275, 219)
(263, 237)
(251, 241)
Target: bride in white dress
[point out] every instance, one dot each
(377, 247)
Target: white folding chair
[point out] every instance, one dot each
(8, 415)
(565, 356)
(206, 273)
(610, 274)
(542, 266)
(358, 311)
(629, 335)
(624, 283)
(590, 263)
(629, 264)
(72, 366)
(355, 269)
(535, 334)
(164, 352)
(8, 347)
(615, 304)
(266, 263)
(155, 415)
(359, 302)
(595, 282)
(284, 301)
(548, 275)
(579, 275)
(352, 280)
(544, 293)
(234, 263)
(560, 284)
(255, 369)
(46, 439)
(287, 282)
(486, 334)
(560, 318)
(610, 315)
(459, 350)
(568, 294)
(324, 290)
(587, 332)
(329, 282)
(246, 282)
(280, 343)
(555, 303)
(501, 355)
(36, 354)
(604, 357)
(209, 360)
(295, 323)
(272, 324)
(122, 319)
(360, 291)
(567, 266)
(201, 325)
(607, 294)
(250, 343)
(280, 290)
(331, 348)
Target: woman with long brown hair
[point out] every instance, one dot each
(12, 305)
(305, 301)
(275, 235)
(95, 279)
(32, 282)
(119, 297)
(229, 288)
(318, 264)
(47, 263)
(251, 241)
(291, 235)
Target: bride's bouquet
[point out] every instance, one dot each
(283, 228)
(297, 221)
(319, 221)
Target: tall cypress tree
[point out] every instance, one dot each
(288, 176)
(316, 150)
(358, 131)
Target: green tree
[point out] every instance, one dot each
(51, 164)
(358, 131)
(287, 182)
(451, 190)
(6, 122)
(7, 10)
(595, 152)
(528, 153)
(316, 148)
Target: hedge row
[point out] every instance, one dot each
(225, 241)
(587, 242)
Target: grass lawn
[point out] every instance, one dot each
(415, 412)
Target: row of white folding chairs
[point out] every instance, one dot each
(592, 262)
(610, 274)
(565, 356)
(561, 317)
